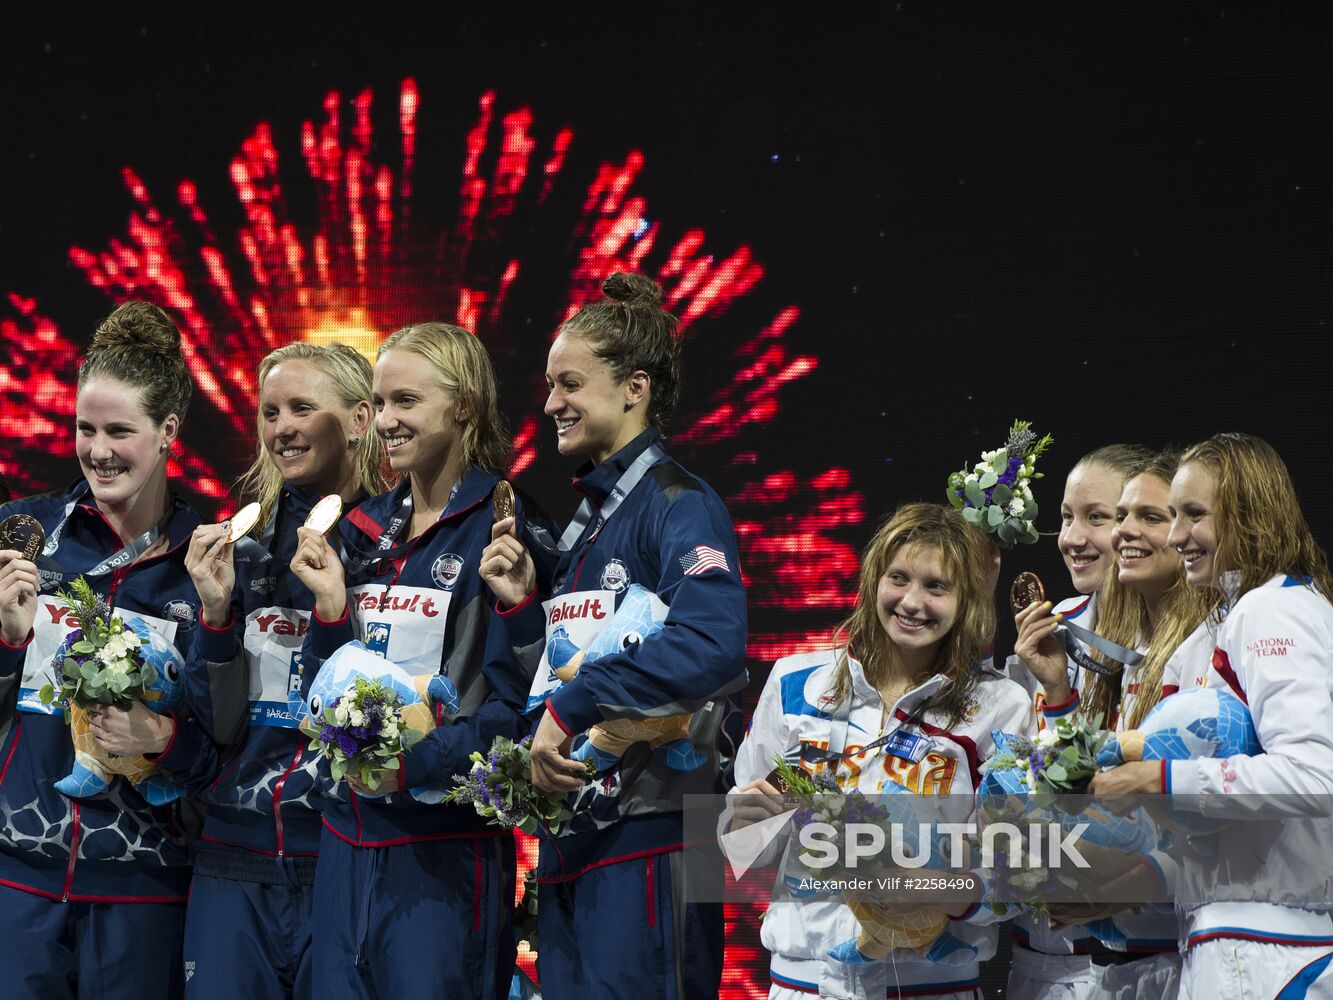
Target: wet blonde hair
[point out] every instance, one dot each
(1261, 531)
(349, 374)
(463, 368)
(966, 555)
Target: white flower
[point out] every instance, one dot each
(340, 713)
(1047, 738)
(1016, 506)
(972, 477)
(356, 717)
(989, 456)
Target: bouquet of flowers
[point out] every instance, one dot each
(1061, 760)
(108, 661)
(1044, 781)
(997, 492)
(500, 788)
(100, 662)
(361, 732)
(881, 929)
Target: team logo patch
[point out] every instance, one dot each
(264, 584)
(446, 570)
(180, 612)
(615, 577)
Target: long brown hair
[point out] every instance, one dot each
(630, 331)
(139, 345)
(1122, 617)
(966, 555)
(1261, 532)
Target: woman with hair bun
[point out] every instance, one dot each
(1260, 923)
(614, 920)
(92, 889)
(248, 928)
(413, 899)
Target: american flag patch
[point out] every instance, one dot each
(701, 559)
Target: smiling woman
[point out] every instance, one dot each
(122, 530)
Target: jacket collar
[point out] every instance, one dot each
(475, 486)
(863, 690)
(597, 481)
(184, 518)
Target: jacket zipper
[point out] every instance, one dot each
(277, 798)
(73, 853)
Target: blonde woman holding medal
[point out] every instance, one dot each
(413, 899)
(92, 889)
(248, 928)
(1147, 608)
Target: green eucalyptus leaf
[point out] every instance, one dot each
(1002, 494)
(974, 495)
(972, 515)
(988, 479)
(994, 515)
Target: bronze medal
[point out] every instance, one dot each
(1026, 590)
(23, 534)
(502, 502)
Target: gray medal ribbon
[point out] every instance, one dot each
(629, 479)
(117, 560)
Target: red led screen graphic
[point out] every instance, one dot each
(345, 235)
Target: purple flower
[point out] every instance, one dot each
(346, 743)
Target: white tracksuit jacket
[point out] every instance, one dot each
(799, 934)
(1275, 652)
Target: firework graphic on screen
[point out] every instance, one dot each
(346, 236)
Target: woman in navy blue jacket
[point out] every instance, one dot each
(92, 889)
(414, 899)
(612, 914)
(248, 928)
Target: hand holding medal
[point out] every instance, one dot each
(209, 561)
(317, 564)
(506, 565)
(21, 541)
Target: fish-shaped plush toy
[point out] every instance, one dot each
(1191, 724)
(669, 736)
(420, 695)
(93, 767)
